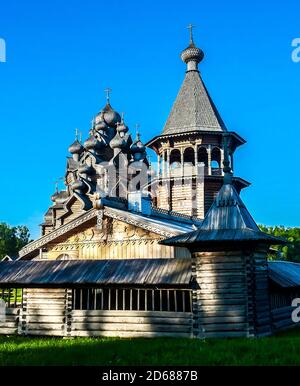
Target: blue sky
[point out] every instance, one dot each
(61, 55)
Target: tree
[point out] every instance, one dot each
(290, 251)
(12, 239)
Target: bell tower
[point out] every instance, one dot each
(190, 149)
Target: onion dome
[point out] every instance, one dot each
(85, 169)
(137, 146)
(76, 147)
(110, 116)
(192, 55)
(100, 124)
(118, 142)
(92, 143)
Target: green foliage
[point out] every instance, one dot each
(281, 349)
(12, 239)
(291, 251)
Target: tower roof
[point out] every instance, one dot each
(193, 108)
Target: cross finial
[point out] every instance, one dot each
(108, 91)
(76, 134)
(190, 28)
(122, 117)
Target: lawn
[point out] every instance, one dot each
(282, 349)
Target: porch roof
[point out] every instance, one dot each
(73, 273)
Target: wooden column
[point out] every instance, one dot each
(182, 161)
(158, 166)
(196, 160)
(209, 159)
(222, 160)
(168, 162)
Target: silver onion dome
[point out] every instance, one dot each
(92, 143)
(118, 142)
(110, 116)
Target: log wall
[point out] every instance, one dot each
(9, 324)
(44, 311)
(231, 298)
(131, 323)
(282, 318)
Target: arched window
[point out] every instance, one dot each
(203, 156)
(189, 156)
(175, 159)
(216, 158)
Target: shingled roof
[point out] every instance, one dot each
(193, 108)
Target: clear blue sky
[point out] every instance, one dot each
(62, 54)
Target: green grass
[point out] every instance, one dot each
(282, 349)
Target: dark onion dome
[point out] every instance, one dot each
(78, 185)
(76, 148)
(118, 142)
(110, 116)
(100, 124)
(137, 146)
(85, 169)
(92, 143)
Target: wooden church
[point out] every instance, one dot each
(131, 250)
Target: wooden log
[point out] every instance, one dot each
(225, 334)
(44, 319)
(132, 334)
(222, 319)
(45, 326)
(161, 314)
(12, 311)
(226, 327)
(45, 312)
(45, 332)
(129, 327)
(128, 320)
(8, 331)
(33, 307)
